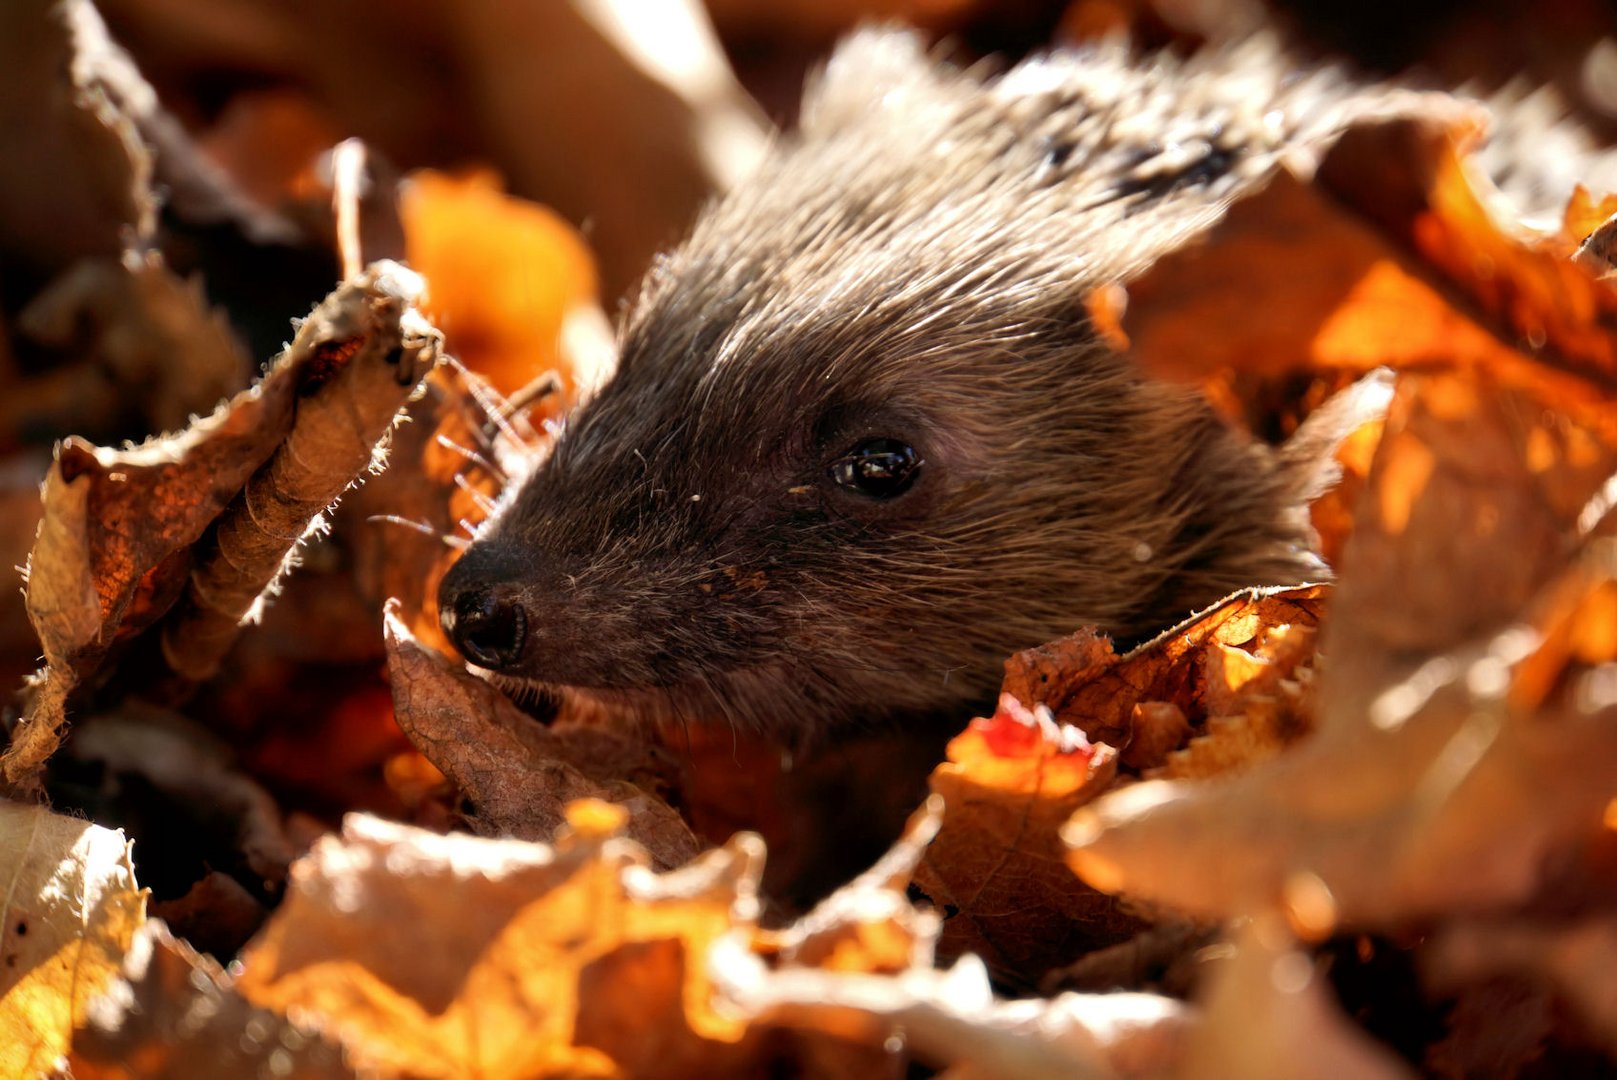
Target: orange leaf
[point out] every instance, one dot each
(503, 274)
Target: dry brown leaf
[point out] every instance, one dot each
(1084, 683)
(996, 871)
(1539, 297)
(370, 347)
(1337, 295)
(173, 1015)
(513, 929)
(1259, 703)
(1432, 783)
(1388, 255)
(70, 910)
(1010, 781)
(116, 550)
(518, 774)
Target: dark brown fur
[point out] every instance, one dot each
(911, 265)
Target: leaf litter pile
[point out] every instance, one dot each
(261, 384)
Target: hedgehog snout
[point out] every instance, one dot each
(483, 612)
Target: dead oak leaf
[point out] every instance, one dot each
(517, 774)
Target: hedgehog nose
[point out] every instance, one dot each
(487, 627)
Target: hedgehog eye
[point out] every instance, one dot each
(877, 468)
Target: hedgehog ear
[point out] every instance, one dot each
(874, 68)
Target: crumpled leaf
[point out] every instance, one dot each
(1192, 702)
(372, 348)
(1199, 669)
(173, 1015)
(69, 911)
(513, 929)
(518, 774)
(116, 551)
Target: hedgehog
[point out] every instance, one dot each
(865, 440)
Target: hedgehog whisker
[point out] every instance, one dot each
(474, 457)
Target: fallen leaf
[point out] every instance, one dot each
(577, 959)
(118, 551)
(996, 871)
(1085, 684)
(70, 912)
(513, 929)
(369, 348)
(518, 775)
